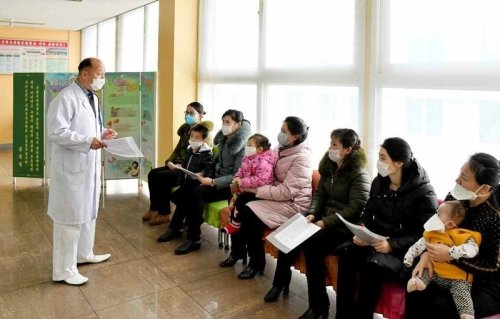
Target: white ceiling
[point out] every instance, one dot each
(63, 14)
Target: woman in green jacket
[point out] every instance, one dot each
(343, 188)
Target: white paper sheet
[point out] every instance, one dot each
(193, 175)
(362, 232)
(292, 233)
(124, 146)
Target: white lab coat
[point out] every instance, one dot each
(75, 181)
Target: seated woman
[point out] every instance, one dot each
(231, 141)
(162, 179)
(478, 188)
(343, 188)
(272, 205)
(401, 200)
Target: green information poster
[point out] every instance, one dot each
(28, 114)
(148, 128)
(122, 113)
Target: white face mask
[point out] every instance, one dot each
(227, 129)
(434, 224)
(461, 193)
(195, 144)
(282, 139)
(250, 150)
(97, 84)
(334, 155)
(383, 168)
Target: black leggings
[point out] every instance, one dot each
(160, 183)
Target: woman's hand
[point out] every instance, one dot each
(310, 218)
(171, 165)
(320, 223)
(236, 181)
(359, 242)
(424, 263)
(207, 181)
(382, 246)
(439, 252)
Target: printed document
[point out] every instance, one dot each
(193, 175)
(361, 232)
(124, 146)
(292, 233)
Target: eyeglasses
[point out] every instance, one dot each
(190, 113)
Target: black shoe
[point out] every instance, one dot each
(249, 273)
(169, 235)
(230, 261)
(275, 293)
(313, 314)
(188, 246)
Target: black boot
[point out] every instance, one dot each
(275, 293)
(230, 261)
(249, 273)
(169, 235)
(188, 246)
(314, 314)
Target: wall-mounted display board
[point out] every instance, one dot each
(18, 55)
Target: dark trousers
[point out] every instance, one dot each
(190, 201)
(160, 183)
(359, 300)
(238, 245)
(315, 248)
(485, 296)
(252, 230)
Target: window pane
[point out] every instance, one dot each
(429, 31)
(218, 98)
(151, 37)
(131, 41)
(443, 128)
(231, 34)
(89, 42)
(323, 108)
(312, 33)
(107, 43)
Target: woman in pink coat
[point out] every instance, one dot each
(288, 195)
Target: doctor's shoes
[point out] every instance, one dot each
(75, 280)
(94, 259)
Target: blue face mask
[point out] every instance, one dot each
(282, 139)
(189, 119)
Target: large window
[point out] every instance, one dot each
(276, 58)
(426, 71)
(437, 84)
(128, 42)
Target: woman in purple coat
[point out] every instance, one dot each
(272, 205)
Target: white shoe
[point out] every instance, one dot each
(75, 280)
(95, 259)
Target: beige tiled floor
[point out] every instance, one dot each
(143, 279)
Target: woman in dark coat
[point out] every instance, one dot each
(343, 188)
(401, 200)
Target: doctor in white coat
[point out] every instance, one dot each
(74, 128)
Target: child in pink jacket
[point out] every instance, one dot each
(257, 169)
